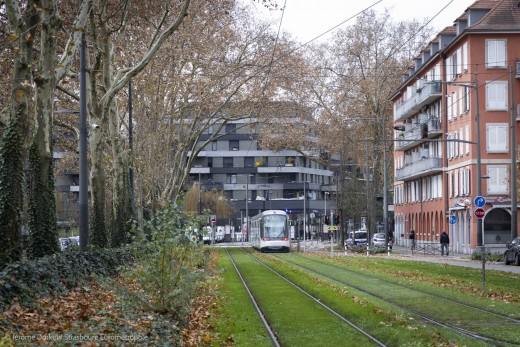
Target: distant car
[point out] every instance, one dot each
(74, 241)
(378, 239)
(64, 243)
(512, 253)
(356, 237)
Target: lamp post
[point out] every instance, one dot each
(83, 168)
(200, 197)
(247, 207)
(304, 215)
(480, 229)
(385, 186)
(514, 204)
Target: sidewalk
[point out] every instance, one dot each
(405, 253)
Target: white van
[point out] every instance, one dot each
(356, 237)
(207, 235)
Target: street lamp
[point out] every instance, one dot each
(514, 204)
(304, 215)
(247, 206)
(83, 168)
(480, 229)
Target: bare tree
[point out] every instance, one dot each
(216, 71)
(34, 74)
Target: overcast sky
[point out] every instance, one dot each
(307, 19)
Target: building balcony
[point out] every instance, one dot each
(424, 166)
(423, 96)
(416, 135)
(408, 139)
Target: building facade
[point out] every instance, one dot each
(455, 112)
(236, 164)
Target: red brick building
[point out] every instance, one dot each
(463, 90)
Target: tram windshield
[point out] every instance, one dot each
(274, 227)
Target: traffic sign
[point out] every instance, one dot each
(479, 201)
(479, 212)
(453, 219)
(213, 221)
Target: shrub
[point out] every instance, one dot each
(56, 274)
(171, 267)
(493, 257)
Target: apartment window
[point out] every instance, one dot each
(467, 139)
(496, 53)
(458, 59)
(496, 96)
(213, 145)
(211, 129)
(262, 161)
(466, 99)
(448, 102)
(460, 100)
(227, 161)
(497, 182)
(234, 145)
(210, 162)
(231, 179)
(465, 56)
(497, 138)
(249, 162)
(231, 128)
(461, 144)
(456, 183)
(455, 144)
(450, 186)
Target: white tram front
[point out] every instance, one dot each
(269, 231)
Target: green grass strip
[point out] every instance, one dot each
(234, 318)
(296, 318)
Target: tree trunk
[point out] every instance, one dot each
(12, 152)
(42, 206)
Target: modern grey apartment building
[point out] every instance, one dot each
(236, 164)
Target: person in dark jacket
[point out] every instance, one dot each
(445, 243)
(412, 238)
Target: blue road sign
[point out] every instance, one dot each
(453, 219)
(479, 201)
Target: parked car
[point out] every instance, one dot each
(378, 239)
(512, 253)
(74, 240)
(64, 243)
(356, 237)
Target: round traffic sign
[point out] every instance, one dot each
(480, 212)
(213, 221)
(479, 201)
(453, 219)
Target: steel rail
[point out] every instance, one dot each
(270, 331)
(328, 308)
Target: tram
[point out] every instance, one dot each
(269, 231)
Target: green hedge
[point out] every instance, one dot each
(56, 274)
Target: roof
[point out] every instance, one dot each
(502, 15)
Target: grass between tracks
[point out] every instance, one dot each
(234, 320)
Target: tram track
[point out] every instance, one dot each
(272, 334)
(425, 317)
(373, 340)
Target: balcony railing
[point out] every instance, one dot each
(420, 168)
(427, 94)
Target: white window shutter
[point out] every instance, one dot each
(465, 56)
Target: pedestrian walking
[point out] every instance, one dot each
(445, 243)
(412, 238)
